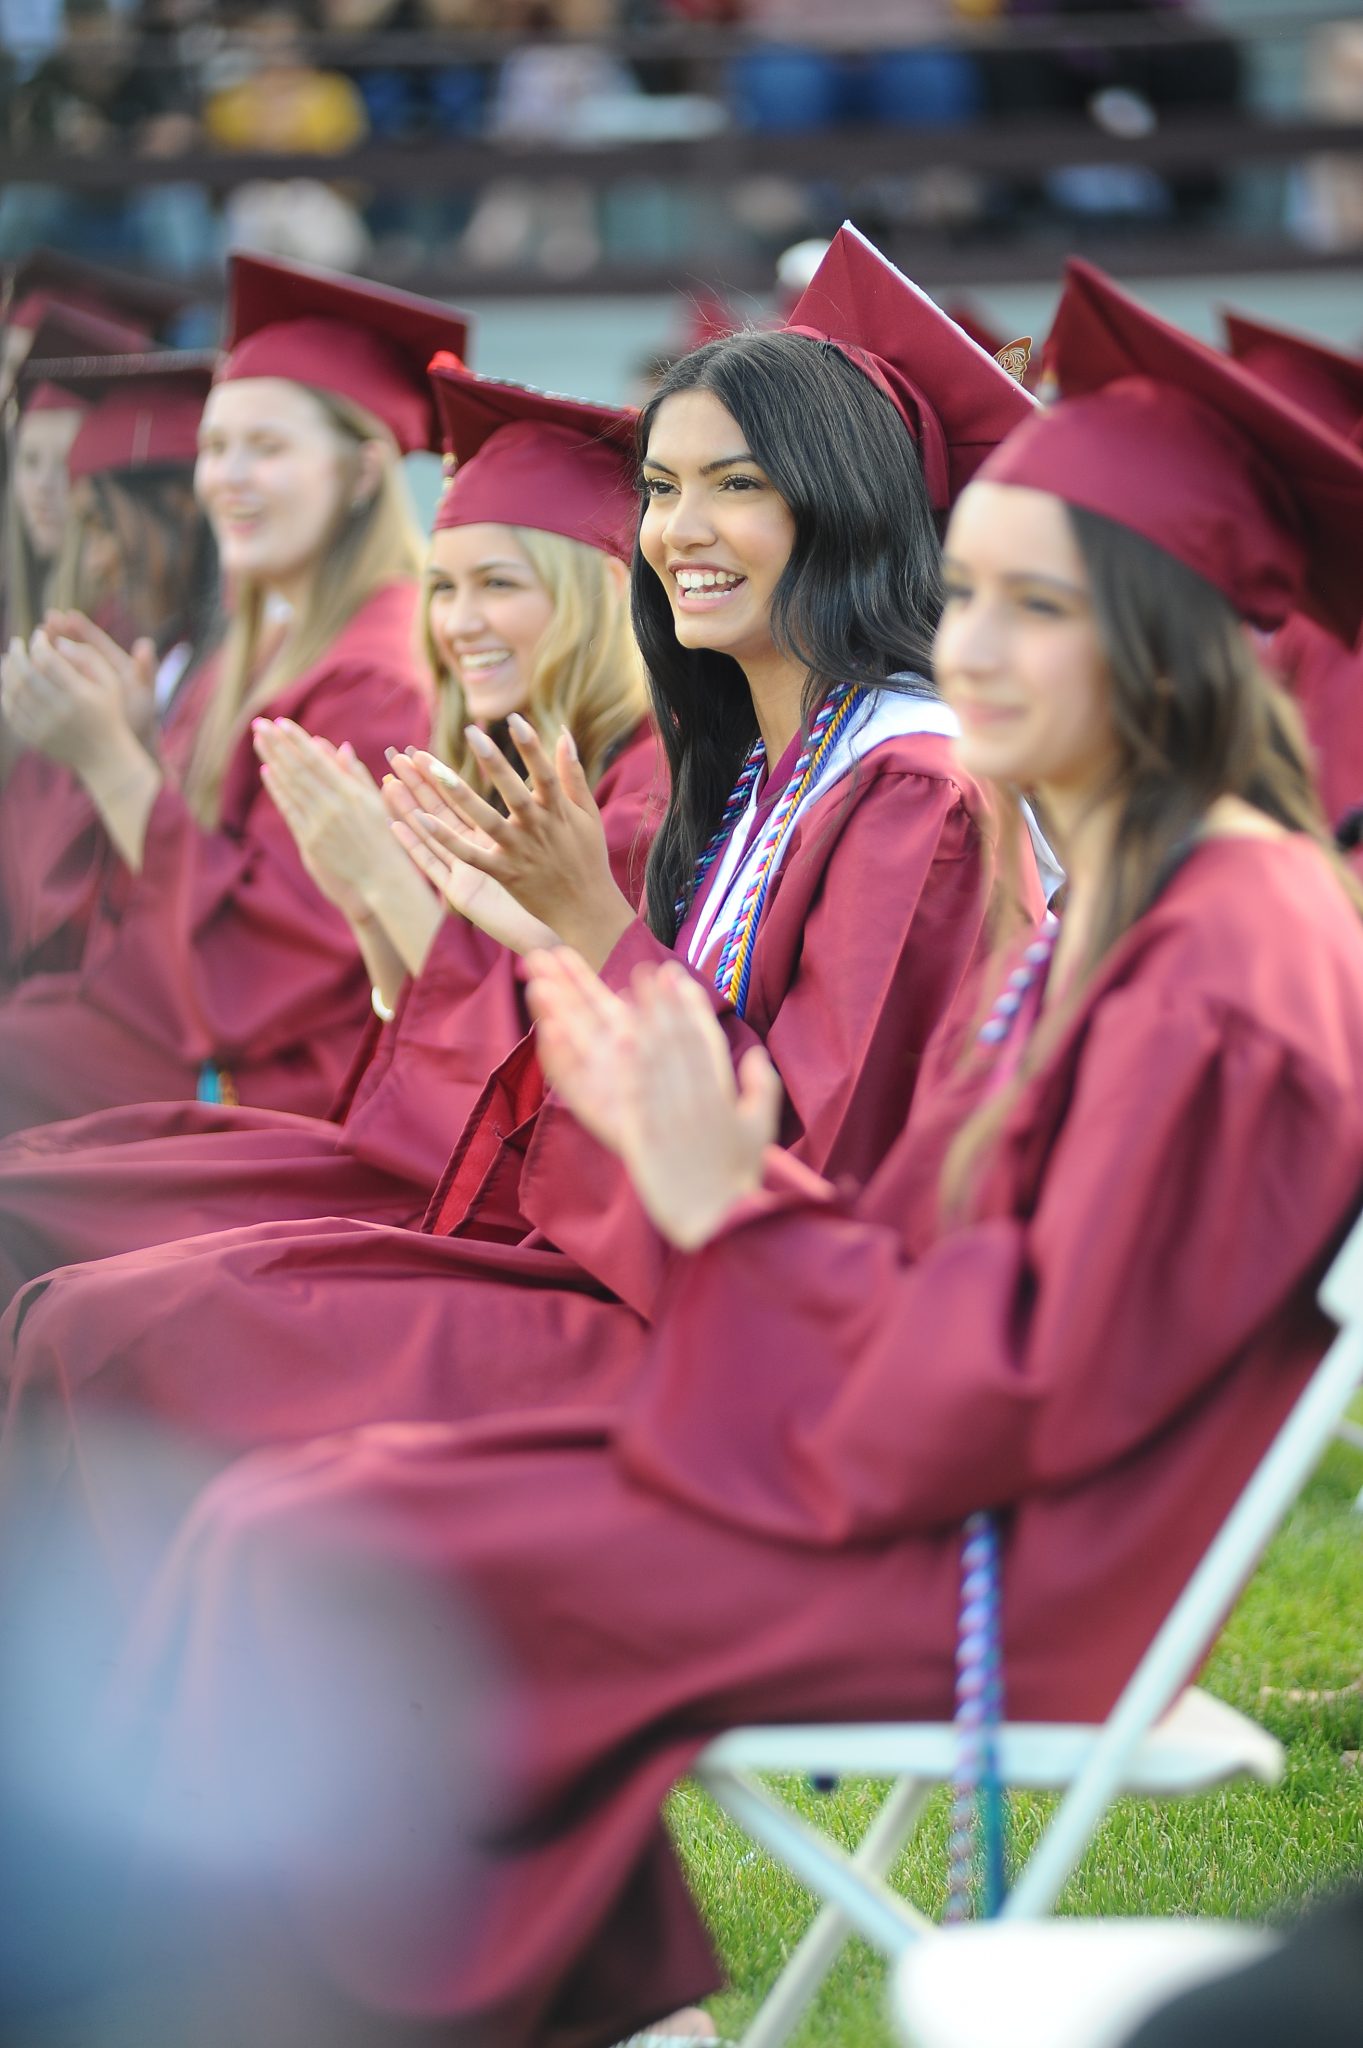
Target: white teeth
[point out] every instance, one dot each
(706, 579)
(475, 663)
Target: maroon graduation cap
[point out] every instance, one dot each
(1161, 434)
(49, 278)
(955, 400)
(141, 412)
(65, 331)
(529, 458)
(343, 335)
(1321, 380)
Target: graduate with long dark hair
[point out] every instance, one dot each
(133, 588)
(1078, 1297)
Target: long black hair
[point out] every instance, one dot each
(857, 602)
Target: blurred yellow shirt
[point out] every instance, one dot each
(309, 112)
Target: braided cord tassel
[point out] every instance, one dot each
(992, 1799)
(976, 1829)
(733, 811)
(734, 971)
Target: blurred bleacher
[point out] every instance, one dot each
(608, 154)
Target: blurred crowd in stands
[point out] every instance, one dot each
(164, 79)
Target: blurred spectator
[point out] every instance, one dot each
(92, 93)
(97, 93)
(284, 105)
(1126, 90)
(1326, 208)
(407, 101)
(553, 88)
(897, 75)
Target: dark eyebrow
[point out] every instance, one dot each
(706, 468)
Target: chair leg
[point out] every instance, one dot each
(815, 1954)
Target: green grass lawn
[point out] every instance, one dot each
(1291, 1655)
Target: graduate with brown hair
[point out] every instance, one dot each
(211, 968)
(525, 611)
(134, 560)
(1080, 1293)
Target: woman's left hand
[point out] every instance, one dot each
(549, 849)
(332, 806)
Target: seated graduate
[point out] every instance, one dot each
(525, 611)
(210, 967)
(39, 489)
(1079, 1294)
(824, 869)
(1323, 673)
(134, 584)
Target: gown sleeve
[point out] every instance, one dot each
(809, 1381)
(847, 994)
(53, 854)
(222, 947)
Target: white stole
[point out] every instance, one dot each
(885, 715)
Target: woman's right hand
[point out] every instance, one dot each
(582, 1031)
(89, 648)
(653, 1079)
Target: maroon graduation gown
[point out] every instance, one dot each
(50, 845)
(768, 1527)
(282, 1331)
(220, 949)
(122, 1179)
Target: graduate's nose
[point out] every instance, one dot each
(687, 524)
(232, 464)
(968, 640)
(463, 614)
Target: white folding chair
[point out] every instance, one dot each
(1145, 1746)
(1059, 1983)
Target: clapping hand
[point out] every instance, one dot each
(63, 700)
(652, 1079)
(331, 805)
(86, 644)
(547, 850)
(418, 795)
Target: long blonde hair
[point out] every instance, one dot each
(588, 674)
(375, 545)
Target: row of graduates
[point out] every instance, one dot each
(1053, 1257)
